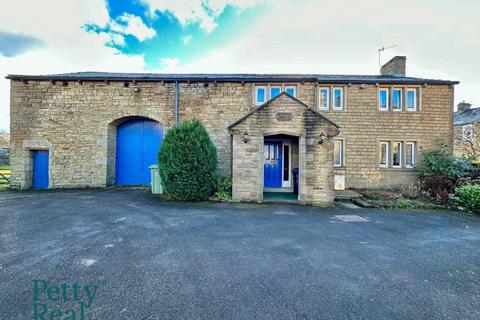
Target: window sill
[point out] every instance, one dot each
(398, 111)
(395, 169)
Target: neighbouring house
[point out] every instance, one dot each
(466, 124)
(301, 133)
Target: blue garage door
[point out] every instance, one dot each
(138, 142)
(40, 169)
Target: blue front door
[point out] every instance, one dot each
(272, 172)
(138, 142)
(40, 169)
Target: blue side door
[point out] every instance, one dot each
(40, 169)
(138, 142)
(272, 172)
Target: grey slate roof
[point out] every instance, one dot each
(469, 116)
(229, 77)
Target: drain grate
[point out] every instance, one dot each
(350, 218)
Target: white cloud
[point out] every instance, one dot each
(169, 63)
(194, 11)
(132, 25)
(187, 39)
(68, 47)
(292, 37)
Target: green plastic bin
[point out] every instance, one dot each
(156, 181)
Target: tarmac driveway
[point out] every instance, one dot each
(127, 255)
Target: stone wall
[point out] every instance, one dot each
(363, 126)
(73, 123)
(77, 122)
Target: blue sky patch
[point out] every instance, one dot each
(169, 38)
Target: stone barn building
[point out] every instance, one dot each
(302, 134)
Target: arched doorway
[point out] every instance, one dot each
(137, 144)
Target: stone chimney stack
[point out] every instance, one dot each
(462, 106)
(395, 67)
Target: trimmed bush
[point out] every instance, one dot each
(469, 196)
(187, 162)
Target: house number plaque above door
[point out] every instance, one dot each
(284, 116)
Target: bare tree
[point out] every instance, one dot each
(467, 140)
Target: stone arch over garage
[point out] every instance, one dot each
(112, 143)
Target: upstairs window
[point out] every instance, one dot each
(383, 99)
(291, 90)
(324, 98)
(397, 100)
(275, 91)
(397, 155)
(411, 99)
(338, 151)
(384, 153)
(409, 154)
(260, 95)
(337, 98)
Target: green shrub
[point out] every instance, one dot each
(441, 160)
(187, 162)
(440, 172)
(224, 188)
(469, 195)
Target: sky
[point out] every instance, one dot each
(441, 38)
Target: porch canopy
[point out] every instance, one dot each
(284, 115)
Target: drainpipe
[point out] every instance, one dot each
(176, 101)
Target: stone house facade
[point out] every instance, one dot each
(466, 124)
(360, 131)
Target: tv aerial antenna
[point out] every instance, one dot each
(380, 54)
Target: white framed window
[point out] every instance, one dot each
(260, 94)
(411, 99)
(275, 91)
(384, 154)
(409, 154)
(338, 98)
(338, 152)
(396, 154)
(291, 90)
(383, 94)
(467, 132)
(324, 98)
(397, 99)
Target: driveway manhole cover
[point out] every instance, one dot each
(350, 218)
